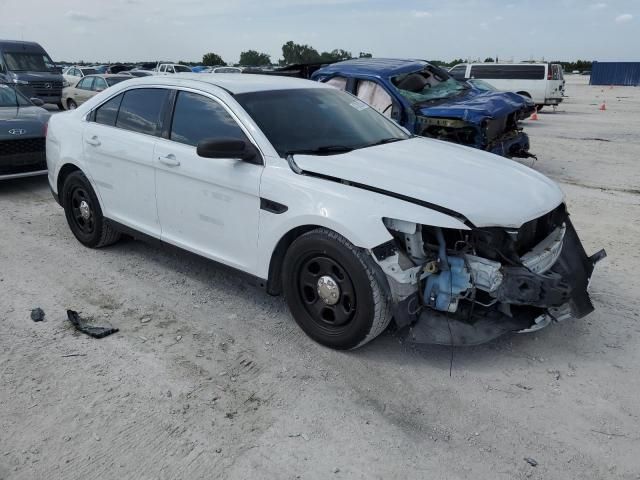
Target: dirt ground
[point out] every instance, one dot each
(211, 378)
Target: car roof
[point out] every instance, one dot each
(374, 66)
(233, 82)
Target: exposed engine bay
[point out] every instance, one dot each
(491, 134)
(465, 287)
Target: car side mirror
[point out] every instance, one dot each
(228, 148)
(38, 102)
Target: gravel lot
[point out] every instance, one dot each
(211, 378)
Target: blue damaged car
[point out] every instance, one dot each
(427, 101)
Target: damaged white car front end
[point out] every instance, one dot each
(466, 287)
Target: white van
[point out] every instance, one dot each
(541, 82)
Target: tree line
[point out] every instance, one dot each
(293, 53)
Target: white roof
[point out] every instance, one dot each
(235, 83)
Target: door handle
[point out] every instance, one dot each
(93, 141)
(169, 160)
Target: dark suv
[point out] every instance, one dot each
(29, 67)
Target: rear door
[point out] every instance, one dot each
(555, 81)
(119, 149)
(209, 206)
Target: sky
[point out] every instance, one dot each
(172, 30)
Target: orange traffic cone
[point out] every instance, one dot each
(603, 107)
(535, 115)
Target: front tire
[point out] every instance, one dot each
(71, 105)
(83, 212)
(335, 291)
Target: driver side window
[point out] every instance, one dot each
(376, 96)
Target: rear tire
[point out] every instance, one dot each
(83, 212)
(335, 291)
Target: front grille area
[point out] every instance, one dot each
(40, 88)
(22, 156)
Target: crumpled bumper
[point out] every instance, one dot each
(555, 293)
(512, 146)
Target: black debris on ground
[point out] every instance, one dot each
(37, 314)
(91, 330)
(531, 461)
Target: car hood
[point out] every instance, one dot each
(486, 189)
(476, 106)
(31, 119)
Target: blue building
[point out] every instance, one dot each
(615, 73)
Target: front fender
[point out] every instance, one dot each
(354, 213)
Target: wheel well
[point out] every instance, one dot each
(524, 94)
(274, 282)
(62, 176)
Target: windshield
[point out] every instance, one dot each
(318, 121)
(29, 62)
(9, 97)
(181, 68)
(427, 85)
(89, 71)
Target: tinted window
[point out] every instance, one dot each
(197, 117)
(141, 110)
(318, 120)
(107, 113)
(511, 72)
(111, 81)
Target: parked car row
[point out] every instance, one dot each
(317, 195)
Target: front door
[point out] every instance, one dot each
(207, 205)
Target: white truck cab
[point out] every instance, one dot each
(171, 68)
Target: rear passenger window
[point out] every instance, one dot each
(107, 113)
(141, 110)
(197, 117)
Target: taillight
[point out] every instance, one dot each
(549, 77)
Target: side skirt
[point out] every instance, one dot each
(249, 278)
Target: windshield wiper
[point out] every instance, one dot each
(324, 150)
(383, 141)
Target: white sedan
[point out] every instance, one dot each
(316, 195)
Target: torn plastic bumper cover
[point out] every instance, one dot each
(549, 283)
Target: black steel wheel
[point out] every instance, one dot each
(327, 292)
(83, 212)
(335, 291)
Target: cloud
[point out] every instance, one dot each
(624, 18)
(597, 6)
(421, 14)
(82, 17)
